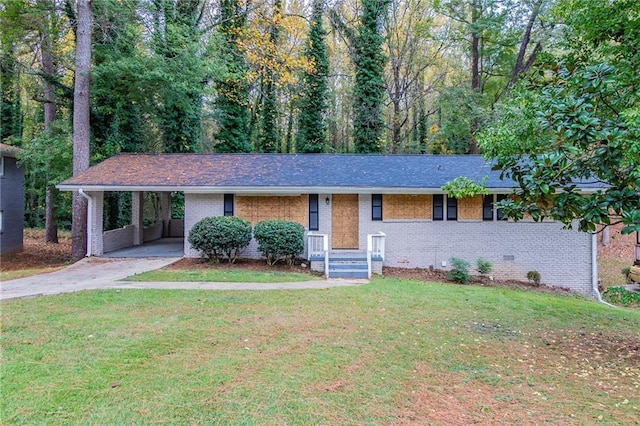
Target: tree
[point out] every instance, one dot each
(369, 85)
(312, 131)
(587, 113)
(232, 101)
(81, 124)
(269, 138)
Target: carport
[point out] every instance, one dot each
(163, 247)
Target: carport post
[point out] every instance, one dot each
(137, 217)
(165, 208)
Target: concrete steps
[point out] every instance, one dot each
(348, 265)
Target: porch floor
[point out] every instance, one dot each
(164, 247)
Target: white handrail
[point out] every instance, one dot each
(318, 246)
(375, 247)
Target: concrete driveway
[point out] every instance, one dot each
(102, 273)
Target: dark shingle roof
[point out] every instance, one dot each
(211, 172)
(9, 150)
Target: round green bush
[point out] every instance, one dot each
(279, 239)
(220, 236)
(459, 270)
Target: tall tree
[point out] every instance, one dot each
(232, 87)
(312, 128)
(269, 138)
(81, 124)
(369, 60)
(577, 120)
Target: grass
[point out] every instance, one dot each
(21, 273)
(388, 352)
(220, 275)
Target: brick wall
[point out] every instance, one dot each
(199, 206)
(562, 257)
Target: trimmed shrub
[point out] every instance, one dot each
(220, 236)
(279, 239)
(534, 276)
(459, 270)
(483, 266)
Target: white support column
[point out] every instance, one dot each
(97, 225)
(137, 217)
(165, 211)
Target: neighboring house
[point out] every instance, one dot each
(11, 200)
(390, 205)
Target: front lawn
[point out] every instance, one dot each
(221, 275)
(388, 352)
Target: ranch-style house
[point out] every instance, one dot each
(360, 212)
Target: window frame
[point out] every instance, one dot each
(452, 206)
(488, 205)
(499, 214)
(438, 207)
(228, 207)
(376, 207)
(314, 212)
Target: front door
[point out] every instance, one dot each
(344, 221)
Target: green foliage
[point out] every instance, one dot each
(587, 105)
(534, 276)
(462, 187)
(312, 128)
(369, 86)
(460, 109)
(47, 160)
(279, 239)
(625, 272)
(459, 270)
(483, 265)
(220, 236)
(232, 88)
(621, 296)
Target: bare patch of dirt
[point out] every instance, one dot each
(439, 275)
(621, 246)
(37, 254)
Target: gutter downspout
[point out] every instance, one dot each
(89, 224)
(594, 270)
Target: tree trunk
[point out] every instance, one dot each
(51, 225)
(81, 125)
(48, 69)
(476, 64)
(520, 66)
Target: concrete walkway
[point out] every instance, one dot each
(101, 273)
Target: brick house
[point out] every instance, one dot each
(379, 209)
(11, 200)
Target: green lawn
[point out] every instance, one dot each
(388, 352)
(221, 275)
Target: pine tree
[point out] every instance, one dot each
(233, 89)
(312, 132)
(369, 85)
(269, 138)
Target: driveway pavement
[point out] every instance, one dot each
(101, 273)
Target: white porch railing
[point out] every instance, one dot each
(318, 248)
(375, 248)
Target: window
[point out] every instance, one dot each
(438, 203)
(1, 221)
(1, 165)
(452, 208)
(499, 213)
(228, 204)
(487, 207)
(376, 207)
(313, 212)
